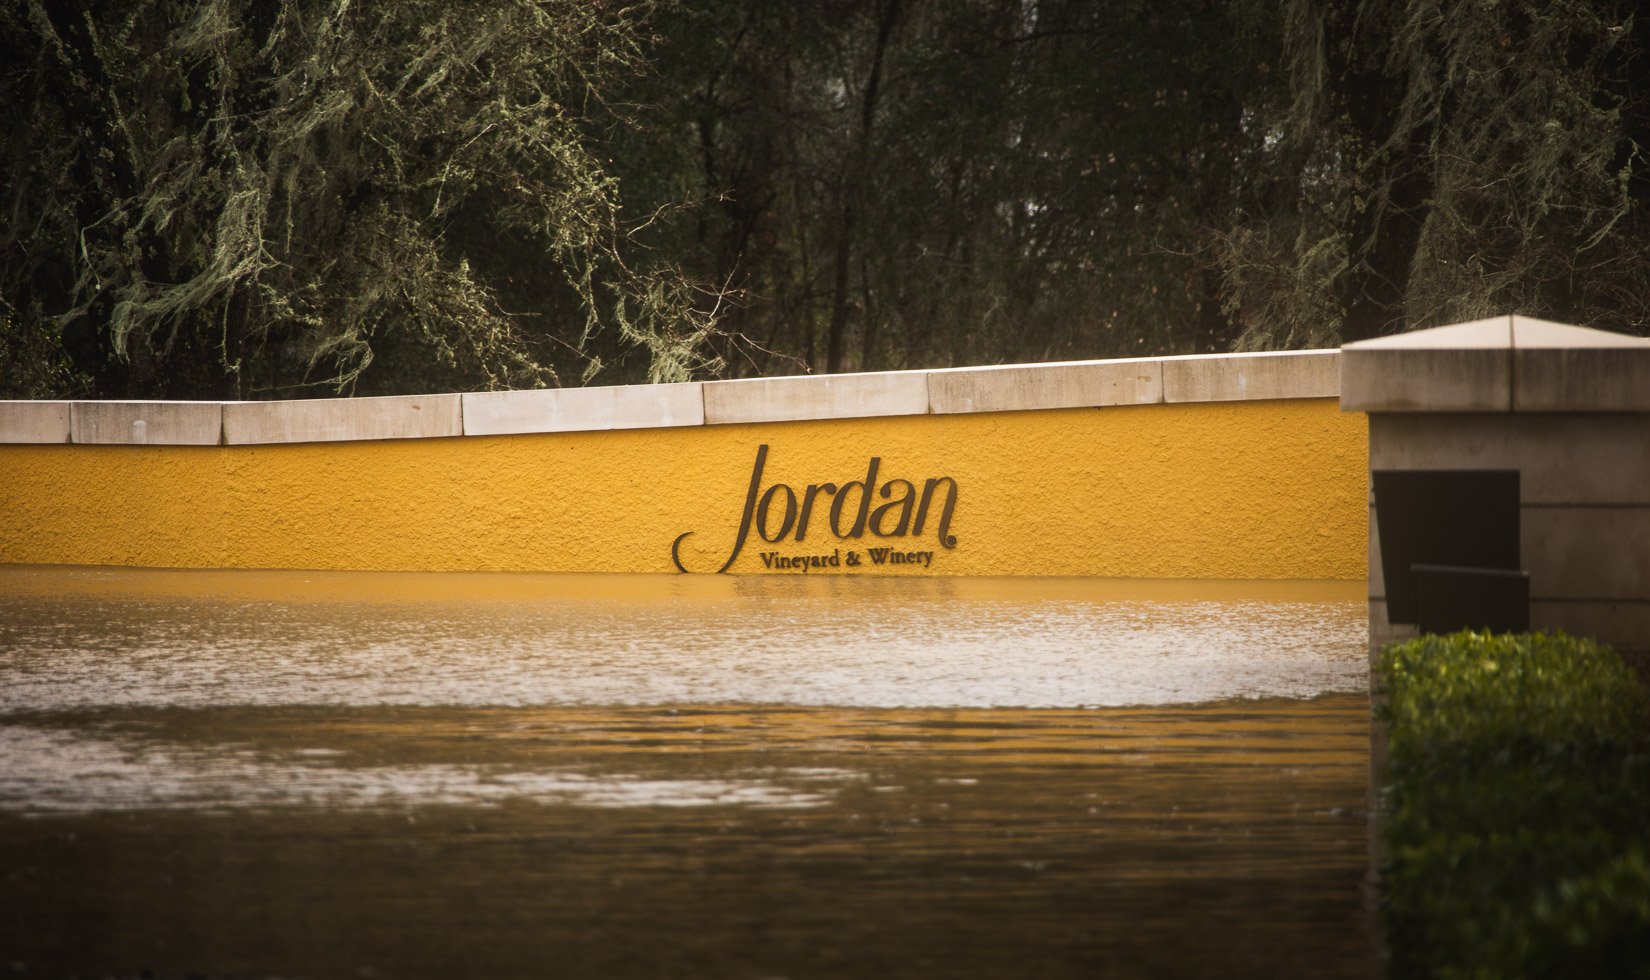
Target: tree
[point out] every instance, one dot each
(905, 184)
(1454, 160)
(223, 197)
(217, 196)
(921, 184)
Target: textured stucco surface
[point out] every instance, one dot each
(1264, 489)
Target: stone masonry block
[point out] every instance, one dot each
(1248, 377)
(1624, 625)
(40, 422)
(1462, 368)
(1081, 384)
(341, 419)
(1589, 553)
(1563, 459)
(1377, 380)
(1583, 379)
(583, 409)
(825, 396)
(135, 423)
(1562, 368)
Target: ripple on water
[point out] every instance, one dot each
(119, 638)
(297, 774)
(46, 771)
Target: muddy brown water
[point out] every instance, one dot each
(262, 774)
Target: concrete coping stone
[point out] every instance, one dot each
(1024, 387)
(141, 423)
(1503, 364)
(342, 419)
(34, 422)
(493, 413)
(993, 388)
(1184, 378)
(817, 396)
(1246, 377)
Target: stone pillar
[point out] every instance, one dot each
(1566, 407)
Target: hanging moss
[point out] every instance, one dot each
(1441, 161)
(230, 197)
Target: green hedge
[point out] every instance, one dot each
(1516, 808)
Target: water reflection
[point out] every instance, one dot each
(198, 639)
(55, 772)
(261, 776)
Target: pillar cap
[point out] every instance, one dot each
(1502, 364)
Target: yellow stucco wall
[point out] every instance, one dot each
(1242, 490)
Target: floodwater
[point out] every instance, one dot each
(286, 774)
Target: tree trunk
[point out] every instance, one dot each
(853, 183)
(1394, 183)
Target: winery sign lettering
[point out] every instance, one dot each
(895, 510)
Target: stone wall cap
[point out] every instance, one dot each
(1508, 363)
(1241, 354)
(1056, 365)
(1093, 383)
(1532, 334)
(1501, 333)
(1024, 387)
(341, 419)
(1261, 375)
(1494, 333)
(34, 421)
(816, 396)
(136, 423)
(583, 409)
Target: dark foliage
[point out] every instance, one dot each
(1517, 809)
(211, 197)
(224, 197)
